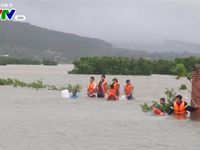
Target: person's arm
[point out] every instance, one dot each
(171, 109)
(94, 88)
(190, 108)
(105, 87)
(131, 91)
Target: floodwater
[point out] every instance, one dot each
(42, 120)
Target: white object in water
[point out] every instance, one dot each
(123, 97)
(65, 94)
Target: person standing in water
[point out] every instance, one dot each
(101, 87)
(128, 90)
(91, 87)
(179, 108)
(113, 92)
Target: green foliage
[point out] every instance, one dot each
(10, 60)
(170, 96)
(38, 85)
(72, 88)
(7, 81)
(131, 66)
(52, 87)
(17, 83)
(183, 87)
(188, 62)
(180, 70)
(112, 65)
(145, 107)
(49, 62)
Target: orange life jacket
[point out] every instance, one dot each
(103, 86)
(111, 92)
(157, 111)
(91, 87)
(128, 88)
(116, 88)
(179, 109)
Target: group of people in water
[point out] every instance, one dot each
(178, 108)
(101, 89)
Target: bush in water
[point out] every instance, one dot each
(131, 66)
(49, 62)
(72, 88)
(17, 83)
(170, 96)
(38, 85)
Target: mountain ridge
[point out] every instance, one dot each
(25, 40)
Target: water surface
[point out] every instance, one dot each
(42, 120)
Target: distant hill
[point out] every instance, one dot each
(25, 40)
(162, 46)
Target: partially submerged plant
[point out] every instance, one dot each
(72, 88)
(17, 83)
(39, 84)
(170, 96)
(145, 107)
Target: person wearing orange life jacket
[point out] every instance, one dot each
(91, 88)
(113, 92)
(128, 90)
(101, 87)
(179, 107)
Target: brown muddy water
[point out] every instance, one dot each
(43, 120)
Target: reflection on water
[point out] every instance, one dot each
(41, 119)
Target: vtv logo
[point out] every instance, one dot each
(6, 14)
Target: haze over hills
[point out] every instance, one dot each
(25, 40)
(163, 46)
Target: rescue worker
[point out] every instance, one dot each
(159, 109)
(179, 108)
(113, 92)
(128, 90)
(101, 87)
(91, 87)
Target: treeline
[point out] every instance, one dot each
(10, 60)
(130, 66)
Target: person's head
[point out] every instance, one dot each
(91, 79)
(162, 100)
(178, 98)
(128, 81)
(115, 80)
(74, 91)
(103, 77)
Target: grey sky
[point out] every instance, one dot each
(117, 21)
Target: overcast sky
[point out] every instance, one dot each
(117, 21)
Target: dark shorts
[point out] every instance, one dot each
(100, 95)
(130, 97)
